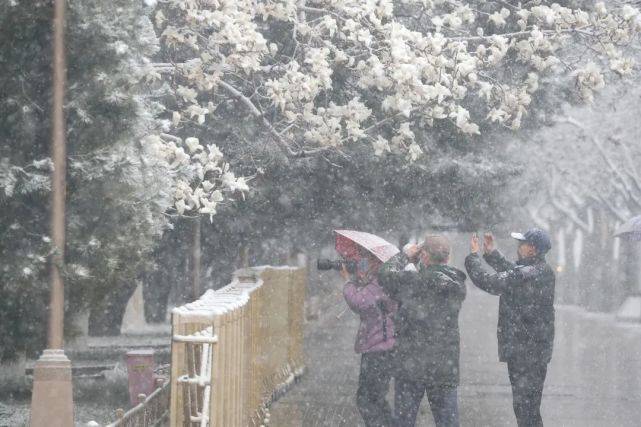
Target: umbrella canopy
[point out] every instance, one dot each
(631, 230)
(349, 241)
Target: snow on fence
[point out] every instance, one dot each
(237, 349)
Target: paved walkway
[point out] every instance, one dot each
(594, 378)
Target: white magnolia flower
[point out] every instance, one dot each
(414, 151)
(380, 146)
(532, 82)
(208, 208)
(497, 115)
(216, 196)
(214, 152)
(175, 118)
(622, 66)
(193, 144)
(208, 185)
(187, 93)
(181, 206)
(498, 18)
(233, 183)
(629, 12)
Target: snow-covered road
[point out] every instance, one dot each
(594, 378)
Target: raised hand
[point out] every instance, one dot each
(488, 243)
(411, 251)
(344, 273)
(475, 245)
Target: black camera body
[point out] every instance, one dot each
(328, 264)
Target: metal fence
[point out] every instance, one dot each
(237, 349)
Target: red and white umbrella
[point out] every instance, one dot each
(349, 241)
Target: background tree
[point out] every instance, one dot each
(583, 183)
(115, 197)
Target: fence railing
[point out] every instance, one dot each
(237, 349)
(151, 411)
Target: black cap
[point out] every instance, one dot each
(537, 238)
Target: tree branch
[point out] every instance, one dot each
(628, 193)
(277, 136)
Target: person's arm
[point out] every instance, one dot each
(497, 261)
(360, 298)
(392, 274)
(493, 257)
(494, 284)
(498, 283)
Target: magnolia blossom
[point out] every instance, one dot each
(380, 146)
(319, 75)
(204, 180)
(590, 79)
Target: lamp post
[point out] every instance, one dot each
(52, 399)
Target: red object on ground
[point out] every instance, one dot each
(140, 370)
(349, 241)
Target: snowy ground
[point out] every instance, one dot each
(594, 378)
(95, 399)
(15, 414)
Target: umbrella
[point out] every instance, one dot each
(631, 230)
(348, 242)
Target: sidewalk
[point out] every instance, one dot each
(594, 378)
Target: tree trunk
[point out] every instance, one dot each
(577, 265)
(155, 290)
(563, 289)
(604, 281)
(105, 317)
(630, 262)
(610, 274)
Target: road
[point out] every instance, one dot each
(594, 378)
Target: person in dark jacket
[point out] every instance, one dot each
(426, 358)
(526, 315)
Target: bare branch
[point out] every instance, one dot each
(615, 170)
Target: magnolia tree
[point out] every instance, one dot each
(318, 75)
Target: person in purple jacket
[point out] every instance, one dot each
(374, 341)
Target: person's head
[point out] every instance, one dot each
(367, 264)
(435, 250)
(526, 250)
(533, 243)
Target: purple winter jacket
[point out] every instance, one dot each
(376, 330)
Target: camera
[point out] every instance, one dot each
(328, 264)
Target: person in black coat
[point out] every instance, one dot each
(426, 357)
(526, 315)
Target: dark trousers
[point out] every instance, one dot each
(527, 380)
(373, 383)
(407, 399)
